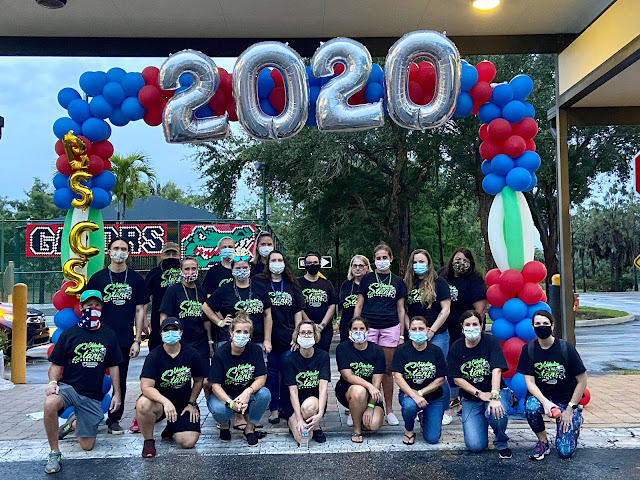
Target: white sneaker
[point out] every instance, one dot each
(392, 419)
(446, 419)
(349, 421)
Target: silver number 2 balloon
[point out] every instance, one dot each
(444, 55)
(178, 121)
(245, 74)
(333, 113)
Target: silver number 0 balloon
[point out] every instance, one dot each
(333, 113)
(444, 55)
(245, 73)
(178, 121)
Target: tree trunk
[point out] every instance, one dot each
(124, 204)
(403, 238)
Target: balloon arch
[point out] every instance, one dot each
(273, 95)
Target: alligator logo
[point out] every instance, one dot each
(202, 242)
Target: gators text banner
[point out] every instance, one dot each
(201, 241)
(145, 239)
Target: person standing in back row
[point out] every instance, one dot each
(358, 267)
(263, 247)
(220, 273)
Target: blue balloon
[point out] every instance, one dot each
(489, 112)
(532, 184)
(185, 80)
(114, 93)
(96, 130)
(373, 93)
(132, 109)
(377, 74)
(524, 330)
(265, 84)
(79, 110)
(105, 180)
(100, 108)
(464, 104)
(118, 118)
(311, 118)
(532, 309)
(495, 312)
(204, 111)
(518, 386)
(502, 94)
(60, 181)
(106, 384)
(65, 318)
(513, 111)
(115, 74)
(468, 77)
(56, 336)
(522, 86)
(63, 197)
(66, 96)
(63, 125)
(501, 164)
(313, 81)
(132, 82)
(529, 111)
(514, 310)
(493, 184)
(503, 329)
(67, 412)
(518, 179)
(101, 198)
(313, 96)
(520, 408)
(92, 83)
(106, 403)
(529, 160)
(266, 107)
(486, 167)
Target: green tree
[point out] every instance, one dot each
(171, 191)
(38, 205)
(129, 172)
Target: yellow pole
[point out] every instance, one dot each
(19, 334)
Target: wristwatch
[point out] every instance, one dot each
(228, 403)
(476, 393)
(194, 404)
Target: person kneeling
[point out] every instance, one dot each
(419, 369)
(362, 366)
(307, 374)
(171, 380)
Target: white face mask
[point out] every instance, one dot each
(306, 342)
(276, 267)
(118, 256)
(471, 333)
(241, 339)
(383, 265)
(358, 337)
(265, 250)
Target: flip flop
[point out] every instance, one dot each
(356, 437)
(240, 426)
(411, 439)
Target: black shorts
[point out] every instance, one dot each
(287, 409)
(341, 393)
(182, 424)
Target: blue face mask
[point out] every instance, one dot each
(241, 273)
(358, 337)
(420, 268)
(171, 337)
(226, 253)
(418, 337)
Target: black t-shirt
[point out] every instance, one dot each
(306, 373)
(186, 305)
(417, 308)
(158, 280)
(381, 295)
(348, 300)
(286, 301)
(217, 276)
(121, 293)
(229, 299)
(555, 377)
(420, 368)
(236, 372)
(318, 297)
(465, 291)
(475, 364)
(173, 375)
(257, 268)
(85, 356)
(363, 363)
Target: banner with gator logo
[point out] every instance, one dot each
(201, 241)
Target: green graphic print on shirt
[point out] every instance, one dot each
(362, 370)
(170, 277)
(190, 308)
(315, 297)
(550, 372)
(475, 370)
(117, 293)
(175, 378)
(381, 290)
(252, 306)
(418, 372)
(308, 379)
(350, 301)
(89, 354)
(239, 375)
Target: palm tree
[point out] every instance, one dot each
(129, 183)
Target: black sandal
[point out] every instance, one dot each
(411, 439)
(355, 437)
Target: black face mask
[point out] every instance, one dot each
(543, 331)
(169, 263)
(313, 269)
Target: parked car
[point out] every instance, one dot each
(37, 330)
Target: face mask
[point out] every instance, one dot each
(189, 277)
(118, 256)
(383, 265)
(418, 337)
(265, 250)
(226, 253)
(471, 333)
(313, 269)
(89, 319)
(543, 331)
(306, 342)
(420, 268)
(276, 267)
(461, 266)
(241, 273)
(241, 339)
(358, 337)
(169, 263)
(171, 337)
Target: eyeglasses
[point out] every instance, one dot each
(306, 334)
(358, 266)
(243, 258)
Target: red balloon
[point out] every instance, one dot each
(527, 128)
(586, 397)
(96, 165)
(226, 81)
(514, 146)
(61, 300)
(413, 72)
(50, 349)
(428, 96)
(152, 117)
(534, 272)
(486, 71)
(149, 96)
(167, 94)
(492, 277)
(489, 149)
(150, 75)
(513, 369)
(277, 77)
(338, 68)
(357, 98)
(231, 110)
(531, 145)
(499, 130)
(544, 297)
(278, 99)
(496, 296)
(530, 293)
(476, 107)
(482, 132)
(106, 372)
(512, 349)
(481, 92)
(103, 149)
(76, 309)
(415, 92)
(426, 76)
(218, 103)
(59, 147)
(511, 281)
(62, 164)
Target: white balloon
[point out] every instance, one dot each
(496, 233)
(528, 228)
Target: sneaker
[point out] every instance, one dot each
(446, 419)
(349, 421)
(67, 427)
(149, 448)
(540, 450)
(455, 403)
(54, 462)
(319, 436)
(225, 435)
(134, 428)
(115, 429)
(392, 419)
(505, 453)
(252, 439)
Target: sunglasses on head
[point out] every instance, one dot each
(242, 258)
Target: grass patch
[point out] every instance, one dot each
(628, 372)
(592, 313)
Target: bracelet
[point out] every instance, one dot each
(252, 390)
(211, 342)
(221, 323)
(52, 382)
(194, 404)
(231, 404)
(420, 394)
(371, 405)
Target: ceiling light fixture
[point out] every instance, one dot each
(52, 4)
(486, 4)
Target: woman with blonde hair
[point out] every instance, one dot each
(358, 267)
(220, 273)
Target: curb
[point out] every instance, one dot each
(598, 322)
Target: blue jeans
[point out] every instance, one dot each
(431, 416)
(258, 403)
(275, 382)
(442, 340)
(476, 419)
(566, 443)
